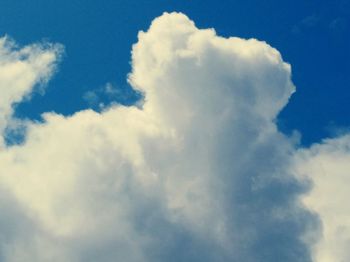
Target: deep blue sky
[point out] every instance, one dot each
(312, 35)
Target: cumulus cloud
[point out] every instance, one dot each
(327, 165)
(200, 172)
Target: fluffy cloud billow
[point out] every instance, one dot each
(197, 171)
(327, 165)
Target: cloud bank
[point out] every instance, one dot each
(198, 172)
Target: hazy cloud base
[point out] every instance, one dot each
(199, 172)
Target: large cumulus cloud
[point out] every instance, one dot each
(197, 171)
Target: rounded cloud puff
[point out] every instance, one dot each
(198, 172)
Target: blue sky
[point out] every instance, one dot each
(152, 131)
(311, 35)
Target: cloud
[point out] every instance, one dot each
(327, 165)
(20, 71)
(101, 98)
(199, 173)
(306, 24)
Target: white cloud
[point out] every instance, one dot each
(20, 71)
(327, 165)
(198, 174)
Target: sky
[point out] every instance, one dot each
(311, 35)
(174, 130)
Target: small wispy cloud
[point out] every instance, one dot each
(307, 23)
(109, 94)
